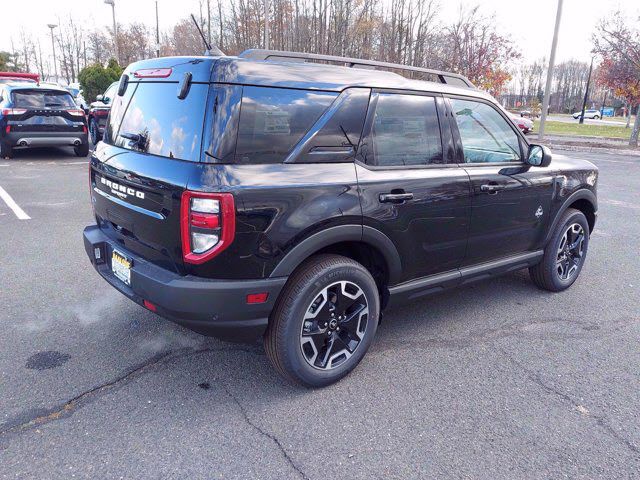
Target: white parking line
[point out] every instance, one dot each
(13, 205)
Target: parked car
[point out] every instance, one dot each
(591, 113)
(99, 111)
(17, 77)
(525, 124)
(76, 92)
(256, 197)
(36, 116)
(529, 114)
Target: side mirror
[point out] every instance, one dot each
(99, 98)
(538, 156)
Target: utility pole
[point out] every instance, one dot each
(586, 93)
(604, 103)
(115, 27)
(552, 61)
(53, 45)
(266, 24)
(157, 32)
(209, 21)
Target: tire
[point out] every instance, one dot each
(6, 151)
(596, 117)
(94, 133)
(81, 150)
(553, 273)
(316, 347)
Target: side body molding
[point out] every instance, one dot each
(337, 234)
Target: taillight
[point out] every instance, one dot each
(76, 112)
(13, 111)
(8, 129)
(207, 223)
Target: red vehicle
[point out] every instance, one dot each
(99, 112)
(11, 77)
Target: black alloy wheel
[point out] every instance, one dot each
(565, 253)
(334, 325)
(570, 251)
(324, 320)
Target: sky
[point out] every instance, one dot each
(529, 23)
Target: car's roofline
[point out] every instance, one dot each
(285, 74)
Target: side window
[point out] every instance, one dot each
(335, 136)
(273, 120)
(110, 93)
(405, 131)
(486, 135)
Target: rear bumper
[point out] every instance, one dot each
(45, 139)
(211, 307)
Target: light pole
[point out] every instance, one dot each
(157, 32)
(586, 93)
(53, 45)
(115, 27)
(552, 61)
(266, 24)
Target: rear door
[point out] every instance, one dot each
(38, 110)
(151, 148)
(510, 200)
(408, 189)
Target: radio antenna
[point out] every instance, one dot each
(210, 50)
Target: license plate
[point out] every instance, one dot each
(121, 266)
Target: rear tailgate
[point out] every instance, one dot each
(41, 111)
(137, 202)
(151, 148)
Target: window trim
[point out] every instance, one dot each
(522, 141)
(368, 128)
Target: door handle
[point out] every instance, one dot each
(492, 189)
(395, 197)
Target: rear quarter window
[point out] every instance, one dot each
(273, 120)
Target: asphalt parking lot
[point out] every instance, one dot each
(495, 380)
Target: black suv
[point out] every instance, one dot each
(259, 197)
(40, 116)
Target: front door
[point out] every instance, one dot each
(510, 199)
(407, 189)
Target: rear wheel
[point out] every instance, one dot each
(81, 150)
(565, 254)
(6, 151)
(94, 134)
(324, 321)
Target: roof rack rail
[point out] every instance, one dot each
(442, 77)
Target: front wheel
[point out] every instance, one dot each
(324, 321)
(5, 150)
(565, 254)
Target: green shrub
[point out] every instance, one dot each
(95, 79)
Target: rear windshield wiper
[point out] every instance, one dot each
(137, 139)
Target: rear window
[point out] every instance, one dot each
(150, 118)
(42, 99)
(273, 120)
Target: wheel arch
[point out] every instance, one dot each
(583, 200)
(364, 244)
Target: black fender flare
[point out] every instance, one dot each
(582, 194)
(338, 234)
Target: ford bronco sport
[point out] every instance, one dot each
(263, 197)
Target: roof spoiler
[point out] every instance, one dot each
(449, 78)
